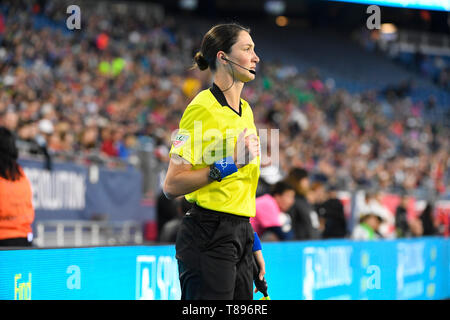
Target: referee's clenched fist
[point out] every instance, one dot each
(246, 149)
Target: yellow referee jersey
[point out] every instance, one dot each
(208, 132)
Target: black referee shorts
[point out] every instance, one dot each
(214, 252)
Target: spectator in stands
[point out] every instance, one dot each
(428, 220)
(415, 227)
(332, 216)
(316, 197)
(10, 120)
(271, 221)
(317, 194)
(369, 225)
(16, 206)
(406, 227)
(126, 146)
(401, 222)
(42, 139)
(302, 213)
(166, 210)
(170, 228)
(108, 145)
(371, 200)
(270, 174)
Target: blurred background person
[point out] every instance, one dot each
(369, 225)
(302, 213)
(166, 210)
(428, 220)
(16, 207)
(371, 200)
(415, 227)
(406, 227)
(10, 121)
(271, 222)
(332, 216)
(316, 197)
(402, 229)
(169, 230)
(42, 139)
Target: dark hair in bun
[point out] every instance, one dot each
(221, 37)
(201, 61)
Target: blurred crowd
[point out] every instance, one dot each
(95, 90)
(422, 60)
(435, 68)
(124, 80)
(300, 208)
(354, 141)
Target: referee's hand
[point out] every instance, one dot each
(259, 270)
(246, 149)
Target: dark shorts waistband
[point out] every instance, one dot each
(201, 210)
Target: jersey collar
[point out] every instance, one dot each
(220, 97)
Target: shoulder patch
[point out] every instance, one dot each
(179, 140)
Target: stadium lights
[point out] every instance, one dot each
(275, 7)
(281, 21)
(188, 4)
(388, 32)
(388, 28)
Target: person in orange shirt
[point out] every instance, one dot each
(16, 207)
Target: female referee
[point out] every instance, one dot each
(214, 163)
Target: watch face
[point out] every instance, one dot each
(214, 173)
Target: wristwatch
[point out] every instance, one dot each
(214, 173)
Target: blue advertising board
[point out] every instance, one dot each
(316, 270)
(72, 191)
(107, 273)
(342, 269)
(441, 5)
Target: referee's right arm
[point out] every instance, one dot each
(181, 180)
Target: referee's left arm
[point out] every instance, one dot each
(257, 253)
